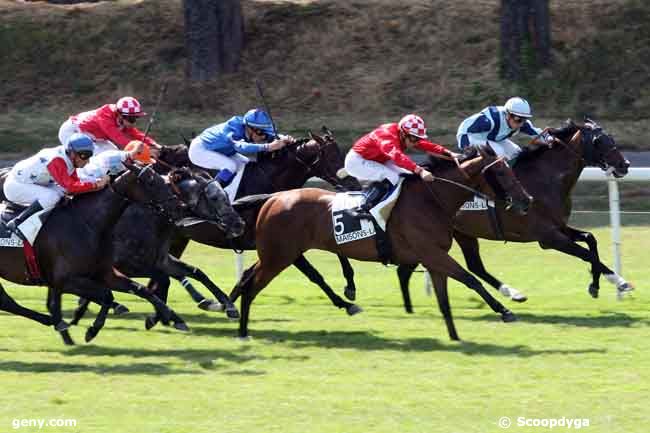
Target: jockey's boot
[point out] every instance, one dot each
(224, 177)
(21, 217)
(374, 194)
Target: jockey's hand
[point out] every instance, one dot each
(426, 175)
(102, 182)
(289, 139)
(155, 152)
(276, 144)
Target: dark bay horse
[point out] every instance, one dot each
(289, 168)
(141, 237)
(550, 176)
(74, 251)
(420, 230)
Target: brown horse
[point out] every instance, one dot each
(550, 175)
(420, 230)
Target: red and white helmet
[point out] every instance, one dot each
(129, 106)
(413, 125)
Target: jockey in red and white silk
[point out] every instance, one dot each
(379, 157)
(111, 126)
(380, 154)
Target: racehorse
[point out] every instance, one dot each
(420, 230)
(550, 175)
(288, 168)
(75, 257)
(141, 237)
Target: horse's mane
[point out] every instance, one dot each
(564, 133)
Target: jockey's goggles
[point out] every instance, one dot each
(260, 133)
(84, 154)
(518, 119)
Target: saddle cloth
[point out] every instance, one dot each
(30, 227)
(347, 228)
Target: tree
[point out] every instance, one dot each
(214, 37)
(525, 37)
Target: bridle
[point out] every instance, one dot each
(588, 156)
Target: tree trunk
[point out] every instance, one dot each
(525, 31)
(214, 37)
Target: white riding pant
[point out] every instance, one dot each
(210, 159)
(26, 193)
(68, 128)
(506, 148)
(373, 171)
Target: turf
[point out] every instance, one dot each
(311, 368)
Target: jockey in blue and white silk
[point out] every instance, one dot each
(496, 124)
(222, 146)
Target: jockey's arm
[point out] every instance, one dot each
(69, 182)
(434, 148)
(242, 146)
(136, 134)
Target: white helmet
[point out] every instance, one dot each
(519, 107)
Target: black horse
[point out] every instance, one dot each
(288, 168)
(75, 254)
(141, 237)
(550, 175)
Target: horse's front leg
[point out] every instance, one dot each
(350, 290)
(597, 267)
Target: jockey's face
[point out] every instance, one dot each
(256, 135)
(410, 141)
(80, 159)
(515, 122)
(128, 121)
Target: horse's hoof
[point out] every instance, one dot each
(454, 337)
(350, 293)
(120, 309)
(508, 316)
(91, 333)
(519, 297)
(353, 309)
(150, 322)
(593, 290)
(232, 313)
(245, 338)
(61, 326)
(211, 305)
(181, 326)
(67, 340)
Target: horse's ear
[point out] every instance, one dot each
(186, 141)
(317, 138)
(326, 131)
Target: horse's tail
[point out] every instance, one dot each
(254, 201)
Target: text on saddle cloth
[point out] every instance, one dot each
(348, 228)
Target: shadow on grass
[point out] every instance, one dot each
(64, 367)
(366, 341)
(606, 320)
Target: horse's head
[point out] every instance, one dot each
(324, 159)
(176, 156)
(206, 200)
(503, 181)
(144, 185)
(598, 148)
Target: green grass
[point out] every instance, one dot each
(311, 368)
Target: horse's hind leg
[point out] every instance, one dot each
(404, 273)
(91, 291)
(315, 277)
(9, 305)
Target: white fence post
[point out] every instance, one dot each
(615, 222)
(239, 265)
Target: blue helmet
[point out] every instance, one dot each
(259, 119)
(80, 143)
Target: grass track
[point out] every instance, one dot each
(310, 368)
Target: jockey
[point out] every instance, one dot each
(111, 126)
(221, 146)
(495, 125)
(379, 157)
(40, 181)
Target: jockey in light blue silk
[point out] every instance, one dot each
(496, 124)
(222, 146)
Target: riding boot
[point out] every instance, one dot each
(20, 218)
(224, 177)
(373, 196)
